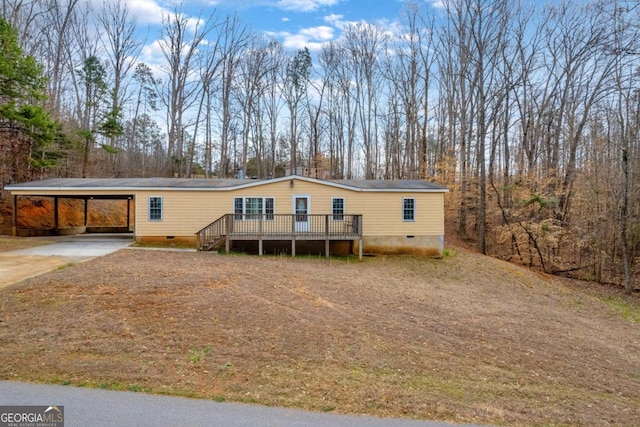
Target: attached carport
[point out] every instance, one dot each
(68, 189)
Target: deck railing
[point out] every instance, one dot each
(279, 227)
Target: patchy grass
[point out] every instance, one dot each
(627, 307)
(198, 355)
(465, 338)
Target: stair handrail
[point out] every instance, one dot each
(211, 233)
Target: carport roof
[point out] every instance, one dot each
(132, 184)
(126, 183)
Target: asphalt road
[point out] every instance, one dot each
(97, 408)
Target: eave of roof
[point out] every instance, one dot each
(200, 184)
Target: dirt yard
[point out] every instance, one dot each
(463, 339)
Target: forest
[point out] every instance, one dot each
(528, 112)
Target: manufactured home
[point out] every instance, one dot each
(287, 214)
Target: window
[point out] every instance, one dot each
(269, 208)
(155, 208)
(252, 207)
(245, 208)
(238, 208)
(408, 209)
(337, 208)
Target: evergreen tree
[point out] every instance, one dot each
(26, 129)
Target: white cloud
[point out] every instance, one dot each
(146, 11)
(339, 22)
(152, 54)
(298, 41)
(304, 5)
(194, 23)
(311, 38)
(335, 20)
(322, 33)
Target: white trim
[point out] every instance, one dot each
(257, 183)
(301, 225)
(415, 209)
(344, 209)
(244, 206)
(149, 219)
(293, 202)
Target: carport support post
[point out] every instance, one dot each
(55, 213)
(85, 211)
(128, 213)
(14, 219)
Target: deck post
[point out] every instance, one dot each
(293, 236)
(326, 231)
(360, 237)
(227, 241)
(260, 236)
(86, 211)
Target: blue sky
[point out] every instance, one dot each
(295, 23)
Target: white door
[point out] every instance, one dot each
(301, 210)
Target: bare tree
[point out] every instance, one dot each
(138, 135)
(181, 38)
(456, 65)
(122, 48)
(233, 41)
(578, 74)
(626, 38)
(315, 113)
(294, 87)
(402, 69)
(365, 43)
(24, 16)
(342, 108)
(253, 69)
(59, 18)
(272, 103)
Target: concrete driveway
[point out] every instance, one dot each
(25, 263)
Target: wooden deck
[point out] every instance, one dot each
(259, 227)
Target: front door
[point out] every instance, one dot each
(301, 210)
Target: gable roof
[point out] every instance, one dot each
(202, 184)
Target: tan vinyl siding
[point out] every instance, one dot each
(185, 212)
(382, 214)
